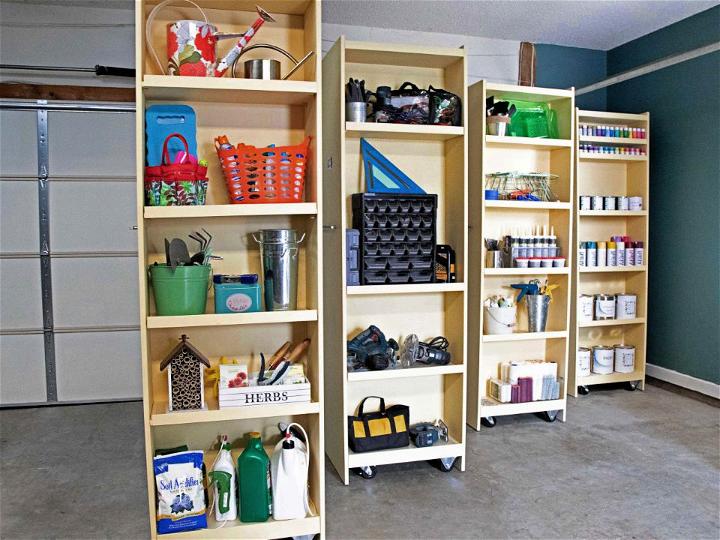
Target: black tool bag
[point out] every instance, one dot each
(445, 108)
(386, 428)
(407, 105)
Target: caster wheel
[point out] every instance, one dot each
(549, 416)
(445, 464)
(367, 473)
(488, 421)
(631, 386)
(583, 390)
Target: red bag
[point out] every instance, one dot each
(176, 184)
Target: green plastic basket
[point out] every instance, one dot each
(180, 292)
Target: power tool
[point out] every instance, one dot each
(369, 349)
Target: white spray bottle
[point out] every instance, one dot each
(289, 467)
(224, 482)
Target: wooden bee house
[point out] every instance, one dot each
(185, 377)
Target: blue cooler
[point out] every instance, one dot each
(236, 297)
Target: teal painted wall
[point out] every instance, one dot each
(563, 67)
(684, 105)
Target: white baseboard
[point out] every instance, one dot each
(686, 381)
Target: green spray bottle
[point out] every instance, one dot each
(254, 482)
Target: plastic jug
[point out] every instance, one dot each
(223, 479)
(289, 465)
(254, 481)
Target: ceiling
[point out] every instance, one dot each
(592, 24)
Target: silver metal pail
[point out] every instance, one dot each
(279, 253)
(537, 311)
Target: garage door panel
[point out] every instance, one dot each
(93, 216)
(22, 369)
(95, 291)
(98, 365)
(18, 142)
(20, 294)
(19, 217)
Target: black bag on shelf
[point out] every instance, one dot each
(407, 105)
(380, 430)
(445, 108)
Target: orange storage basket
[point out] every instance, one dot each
(263, 175)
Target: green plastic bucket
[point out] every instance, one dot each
(182, 292)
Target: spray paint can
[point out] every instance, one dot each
(585, 202)
(629, 252)
(626, 306)
(582, 254)
(583, 362)
(597, 202)
(624, 358)
(623, 203)
(585, 308)
(604, 307)
(610, 202)
(591, 256)
(611, 254)
(603, 359)
(619, 251)
(601, 254)
(639, 254)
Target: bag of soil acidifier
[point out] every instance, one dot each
(180, 492)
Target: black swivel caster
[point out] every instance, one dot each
(632, 386)
(368, 472)
(583, 390)
(549, 416)
(488, 421)
(445, 464)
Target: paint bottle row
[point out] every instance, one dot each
(615, 150)
(610, 202)
(607, 307)
(624, 132)
(619, 251)
(605, 359)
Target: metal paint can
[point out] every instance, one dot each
(635, 203)
(597, 202)
(585, 308)
(624, 358)
(603, 358)
(604, 307)
(623, 203)
(610, 202)
(583, 362)
(625, 306)
(585, 202)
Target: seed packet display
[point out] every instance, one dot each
(180, 492)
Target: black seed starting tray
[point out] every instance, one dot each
(397, 237)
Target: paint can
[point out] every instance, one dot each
(597, 202)
(610, 202)
(603, 358)
(624, 358)
(635, 203)
(623, 203)
(585, 202)
(604, 307)
(585, 308)
(625, 306)
(583, 362)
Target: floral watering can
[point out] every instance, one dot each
(191, 44)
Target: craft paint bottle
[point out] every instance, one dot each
(611, 254)
(591, 256)
(639, 254)
(601, 254)
(582, 254)
(522, 248)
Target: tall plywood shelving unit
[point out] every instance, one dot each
(494, 219)
(260, 113)
(611, 174)
(436, 158)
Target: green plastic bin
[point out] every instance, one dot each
(182, 292)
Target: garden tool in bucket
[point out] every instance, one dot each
(267, 68)
(279, 251)
(191, 44)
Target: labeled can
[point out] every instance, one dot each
(583, 362)
(521, 262)
(585, 308)
(533, 263)
(604, 307)
(603, 359)
(624, 358)
(611, 254)
(597, 202)
(625, 306)
(609, 202)
(585, 202)
(635, 203)
(623, 203)
(546, 262)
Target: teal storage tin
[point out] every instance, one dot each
(237, 298)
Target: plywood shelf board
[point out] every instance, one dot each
(232, 319)
(611, 322)
(583, 156)
(410, 288)
(525, 336)
(612, 213)
(610, 269)
(229, 210)
(626, 141)
(407, 454)
(490, 407)
(615, 377)
(402, 131)
(401, 373)
(526, 271)
(528, 205)
(530, 142)
(161, 416)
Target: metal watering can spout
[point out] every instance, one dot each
(224, 64)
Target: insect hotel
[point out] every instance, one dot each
(185, 377)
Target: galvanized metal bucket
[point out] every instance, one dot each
(537, 311)
(279, 251)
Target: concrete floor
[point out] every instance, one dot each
(642, 464)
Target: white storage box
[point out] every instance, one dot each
(264, 395)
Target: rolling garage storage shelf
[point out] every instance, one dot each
(494, 219)
(611, 175)
(436, 158)
(259, 113)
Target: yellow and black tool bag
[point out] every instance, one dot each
(386, 428)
